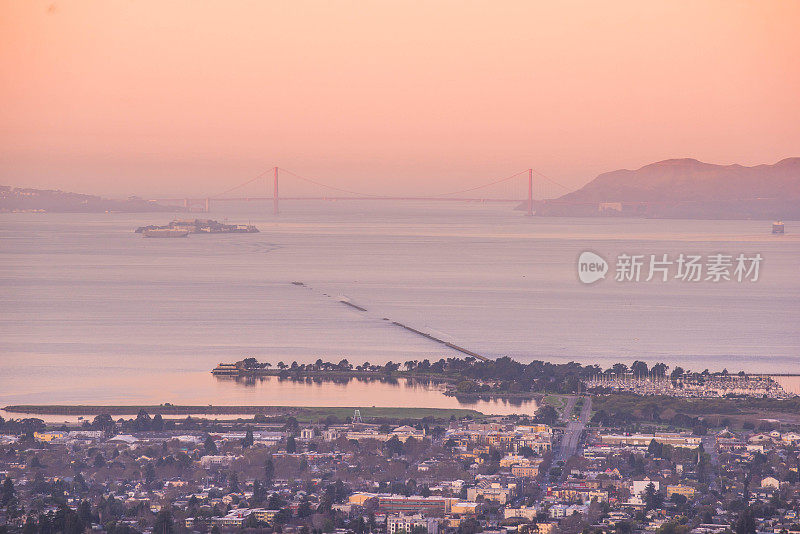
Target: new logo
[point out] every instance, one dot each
(591, 267)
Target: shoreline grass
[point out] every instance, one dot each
(300, 412)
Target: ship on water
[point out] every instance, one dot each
(227, 369)
(777, 227)
(165, 232)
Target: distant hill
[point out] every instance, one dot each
(24, 199)
(688, 188)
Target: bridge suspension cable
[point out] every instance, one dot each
(495, 182)
(248, 182)
(510, 191)
(320, 184)
(562, 186)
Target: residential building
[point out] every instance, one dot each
(492, 491)
(415, 504)
(408, 523)
(680, 489)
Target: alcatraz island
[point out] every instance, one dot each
(184, 227)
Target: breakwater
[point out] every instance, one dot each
(413, 330)
(441, 341)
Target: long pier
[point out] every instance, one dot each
(430, 337)
(443, 342)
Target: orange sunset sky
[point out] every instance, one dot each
(189, 97)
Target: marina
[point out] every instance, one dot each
(708, 386)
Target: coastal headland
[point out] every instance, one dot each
(504, 377)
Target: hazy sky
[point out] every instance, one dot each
(190, 97)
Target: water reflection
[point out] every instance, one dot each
(337, 390)
(253, 380)
(790, 383)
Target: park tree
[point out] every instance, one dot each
(655, 449)
(639, 368)
(149, 473)
(678, 499)
(283, 516)
(274, 502)
(526, 451)
(659, 369)
(746, 522)
(393, 446)
(210, 446)
(233, 482)
(85, 512)
(103, 422)
(248, 440)
(143, 420)
(292, 426)
(251, 521)
(269, 471)
(672, 527)
(64, 520)
(547, 415)
(164, 523)
(259, 492)
(7, 492)
(157, 423)
(619, 369)
(304, 510)
(469, 526)
(653, 499)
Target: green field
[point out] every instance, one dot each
(556, 401)
(302, 413)
(316, 413)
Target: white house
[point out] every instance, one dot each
(640, 486)
(770, 482)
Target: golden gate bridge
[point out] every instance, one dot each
(278, 185)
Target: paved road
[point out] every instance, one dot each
(710, 446)
(572, 434)
(568, 408)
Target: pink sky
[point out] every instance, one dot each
(182, 97)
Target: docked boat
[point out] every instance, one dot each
(165, 232)
(226, 369)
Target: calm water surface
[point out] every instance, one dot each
(93, 313)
